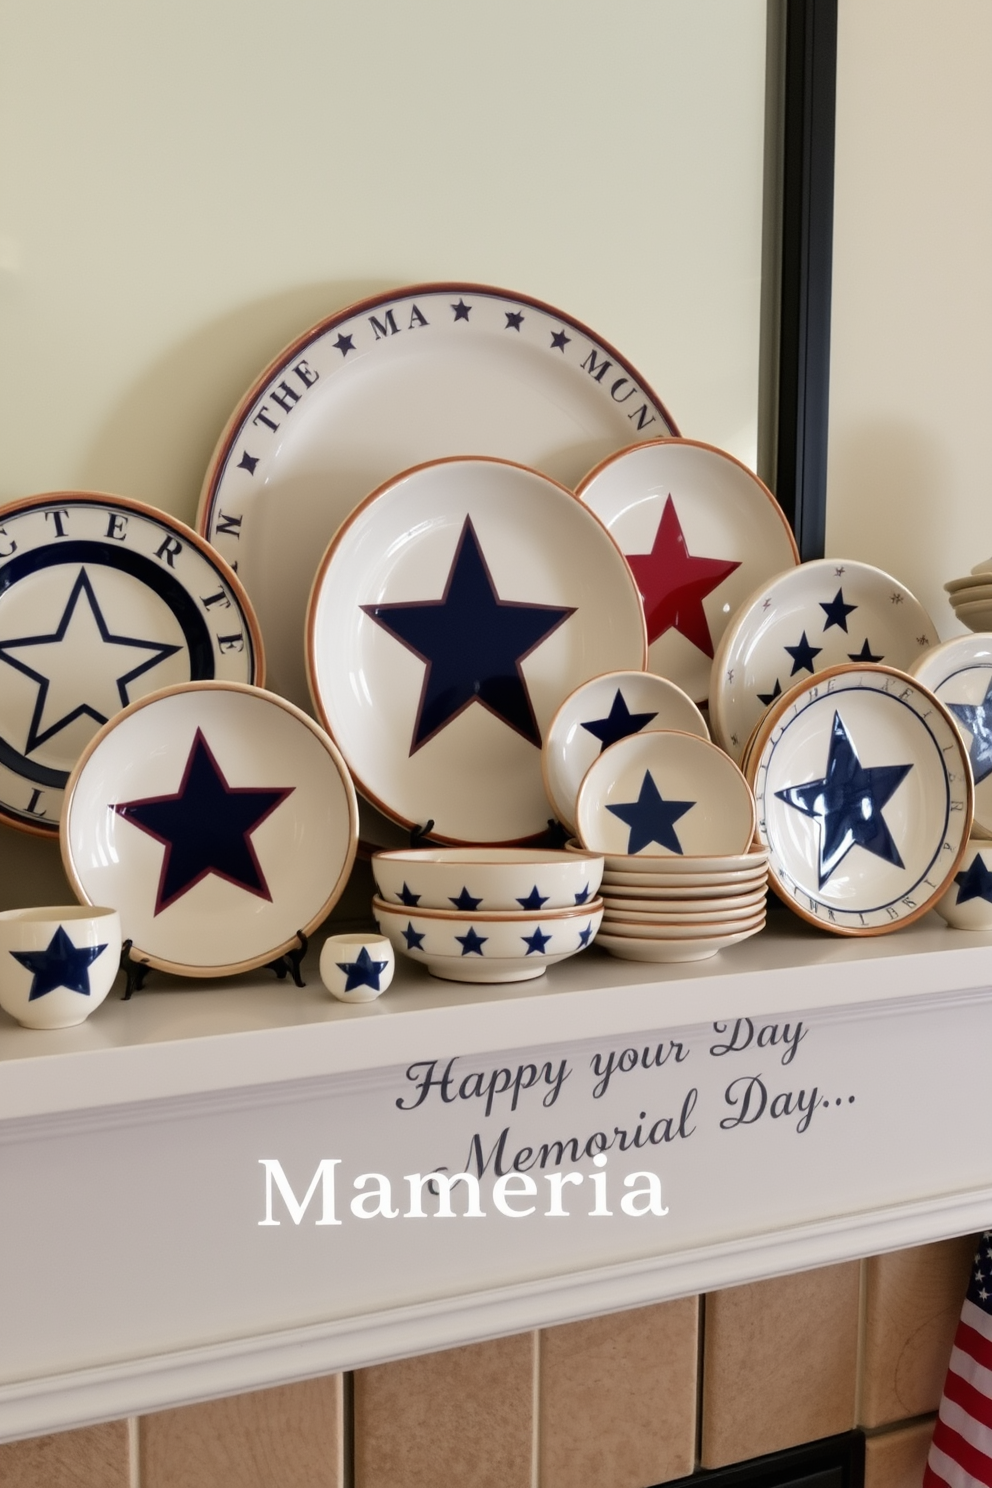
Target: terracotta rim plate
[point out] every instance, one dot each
(102, 600)
(598, 714)
(690, 930)
(701, 532)
(668, 796)
(630, 948)
(820, 615)
(407, 376)
(864, 799)
(739, 907)
(684, 889)
(451, 615)
(959, 674)
(218, 819)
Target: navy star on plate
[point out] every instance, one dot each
(864, 654)
(536, 943)
(977, 719)
(514, 320)
(362, 972)
(534, 900)
(248, 462)
(462, 311)
(802, 654)
(414, 938)
(974, 883)
(471, 943)
(847, 804)
(618, 723)
(408, 897)
(472, 643)
(60, 964)
(582, 897)
(559, 341)
(837, 611)
(205, 827)
(465, 900)
(584, 935)
(68, 690)
(650, 818)
(769, 697)
(344, 344)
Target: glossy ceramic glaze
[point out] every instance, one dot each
(736, 907)
(959, 673)
(683, 889)
(57, 963)
(488, 947)
(668, 952)
(357, 968)
(967, 902)
(511, 878)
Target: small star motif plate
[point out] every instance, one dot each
(959, 673)
(416, 374)
(823, 614)
(452, 614)
(700, 532)
(864, 799)
(218, 820)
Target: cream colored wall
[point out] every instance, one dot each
(911, 380)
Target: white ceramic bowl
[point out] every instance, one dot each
(497, 878)
(357, 968)
(57, 963)
(490, 947)
(967, 904)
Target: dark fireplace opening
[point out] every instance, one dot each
(833, 1462)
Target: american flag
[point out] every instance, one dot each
(961, 1453)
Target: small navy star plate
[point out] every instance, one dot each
(700, 532)
(412, 375)
(822, 614)
(598, 714)
(452, 614)
(665, 795)
(501, 878)
(959, 673)
(102, 601)
(218, 819)
(864, 799)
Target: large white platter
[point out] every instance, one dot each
(959, 673)
(409, 376)
(451, 615)
(701, 532)
(102, 600)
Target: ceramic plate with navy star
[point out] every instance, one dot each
(959, 673)
(700, 531)
(102, 601)
(864, 799)
(412, 375)
(218, 819)
(451, 616)
(831, 612)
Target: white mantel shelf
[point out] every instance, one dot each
(130, 1147)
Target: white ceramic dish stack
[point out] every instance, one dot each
(971, 597)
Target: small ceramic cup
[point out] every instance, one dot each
(57, 963)
(967, 904)
(357, 968)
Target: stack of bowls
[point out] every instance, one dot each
(971, 597)
(478, 914)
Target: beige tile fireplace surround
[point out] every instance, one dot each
(622, 1401)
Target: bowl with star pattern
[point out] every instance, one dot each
(511, 879)
(967, 904)
(474, 946)
(57, 963)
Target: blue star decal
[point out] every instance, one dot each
(514, 320)
(864, 654)
(584, 935)
(465, 900)
(977, 719)
(534, 900)
(802, 656)
(769, 697)
(651, 819)
(248, 462)
(414, 938)
(536, 943)
(619, 723)
(974, 883)
(472, 643)
(471, 943)
(847, 804)
(408, 897)
(344, 344)
(461, 310)
(363, 971)
(60, 964)
(205, 827)
(837, 611)
(559, 341)
(582, 897)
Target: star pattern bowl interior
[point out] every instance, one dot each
(478, 947)
(487, 878)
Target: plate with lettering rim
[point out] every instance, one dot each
(451, 615)
(599, 713)
(864, 799)
(218, 819)
(959, 673)
(631, 948)
(701, 532)
(404, 377)
(102, 600)
(830, 612)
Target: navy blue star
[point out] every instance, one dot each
(471, 943)
(514, 320)
(847, 804)
(769, 697)
(60, 964)
(535, 943)
(974, 883)
(584, 935)
(977, 719)
(344, 344)
(802, 656)
(465, 900)
(559, 341)
(248, 462)
(582, 897)
(651, 819)
(363, 971)
(618, 724)
(408, 897)
(534, 900)
(472, 643)
(461, 310)
(837, 611)
(414, 938)
(205, 827)
(864, 654)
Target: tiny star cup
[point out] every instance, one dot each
(357, 968)
(967, 904)
(57, 963)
